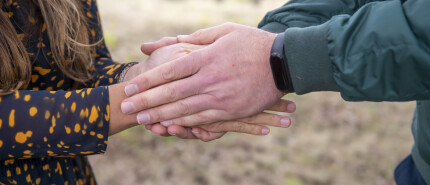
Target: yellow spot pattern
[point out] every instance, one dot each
(67, 95)
(34, 78)
(12, 118)
(42, 71)
(47, 114)
(60, 83)
(77, 128)
(100, 136)
(94, 115)
(33, 111)
(112, 70)
(27, 98)
(54, 123)
(68, 130)
(22, 137)
(28, 178)
(16, 94)
(107, 115)
(18, 170)
(73, 107)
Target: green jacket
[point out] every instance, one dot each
(368, 50)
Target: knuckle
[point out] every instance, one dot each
(213, 101)
(170, 93)
(210, 79)
(168, 73)
(250, 119)
(215, 127)
(180, 122)
(197, 33)
(229, 24)
(165, 39)
(143, 101)
(143, 81)
(155, 116)
(184, 108)
(221, 97)
(240, 128)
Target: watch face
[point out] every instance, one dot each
(278, 71)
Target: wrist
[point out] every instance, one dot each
(279, 65)
(118, 121)
(130, 71)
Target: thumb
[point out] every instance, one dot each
(148, 48)
(208, 35)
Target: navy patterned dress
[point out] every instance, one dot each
(47, 130)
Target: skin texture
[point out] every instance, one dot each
(256, 124)
(213, 84)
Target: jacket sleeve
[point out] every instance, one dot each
(106, 71)
(304, 13)
(379, 53)
(54, 123)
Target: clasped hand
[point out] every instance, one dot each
(221, 81)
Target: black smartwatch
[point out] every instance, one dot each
(279, 65)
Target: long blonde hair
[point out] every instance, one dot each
(69, 38)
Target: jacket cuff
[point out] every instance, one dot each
(274, 27)
(308, 59)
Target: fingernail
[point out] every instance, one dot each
(127, 107)
(197, 135)
(143, 118)
(291, 107)
(195, 131)
(265, 131)
(285, 122)
(172, 133)
(167, 123)
(131, 89)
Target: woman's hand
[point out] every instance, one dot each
(161, 56)
(255, 125)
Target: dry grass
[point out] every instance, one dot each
(331, 141)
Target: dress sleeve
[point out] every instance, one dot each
(105, 71)
(54, 123)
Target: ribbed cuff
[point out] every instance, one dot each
(308, 59)
(274, 27)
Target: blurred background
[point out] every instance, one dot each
(330, 141)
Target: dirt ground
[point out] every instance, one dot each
(331, 141)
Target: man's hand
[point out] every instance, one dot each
(228, 79)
